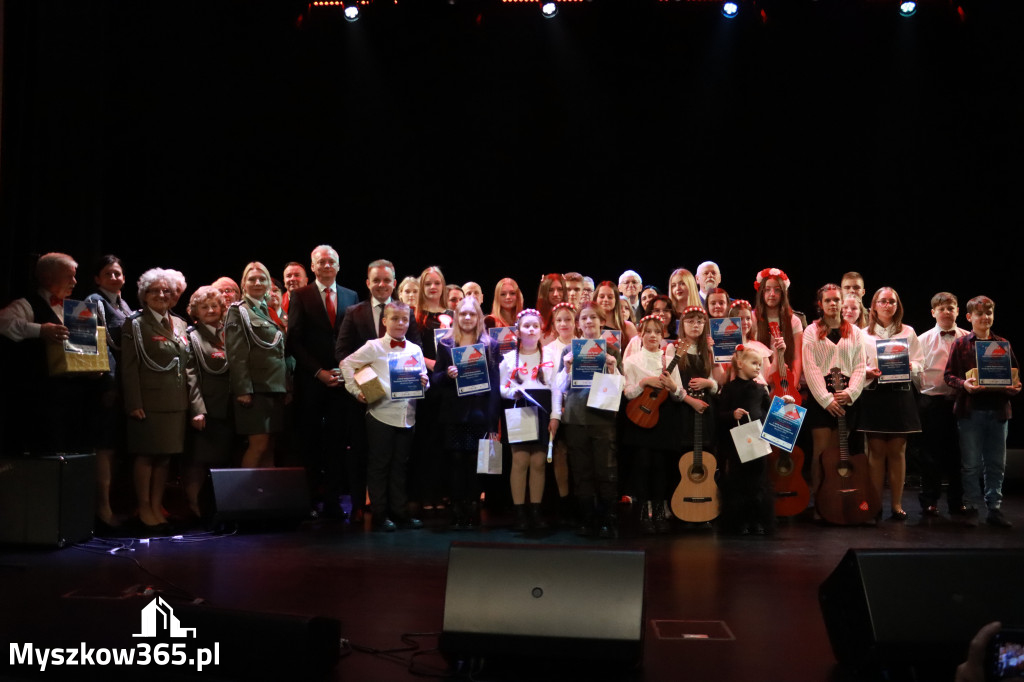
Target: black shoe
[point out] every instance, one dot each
(898, 515)
(995, 518)
(647, 518)
(537, 520)
(971, 518)
(410, 523)
(958, 510)
(385, 526)
(522, 520)
(930, 510)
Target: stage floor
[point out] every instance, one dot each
(761, 590)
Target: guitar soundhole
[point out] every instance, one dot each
(697, 474)
(844, 470)
(785, 467)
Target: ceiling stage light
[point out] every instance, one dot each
(730, 9)
(908, 8)
(548, 9)
(352, 13)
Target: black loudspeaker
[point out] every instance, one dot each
(555, 603)
(918, 608)
(260, 494)
(47, 500)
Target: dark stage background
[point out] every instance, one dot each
(483, 138)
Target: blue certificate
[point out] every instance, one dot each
(406, 369)
(613, 340)
(471, 361)
(588, 358)
(893, 360)
(80, 319)
(993, 363)
(726, 334)
(782, 425)
(505, 337)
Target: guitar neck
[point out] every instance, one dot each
(698, 435)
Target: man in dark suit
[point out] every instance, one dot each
(362, 323)
(315, 314)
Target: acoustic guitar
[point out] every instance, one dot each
(782, 382)
(791, 490)
(846, 496)
(696, 497)
(643, 409)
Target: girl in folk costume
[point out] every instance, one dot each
(830, 342)
(776, 325)
(653, 450)
(717, 307)
(524, 371)
(742, 309)
(563, 321)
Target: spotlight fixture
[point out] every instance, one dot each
(730, 9)
(352, 13)
(907, 8)
(548, 9)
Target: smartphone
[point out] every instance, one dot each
(1005, 657)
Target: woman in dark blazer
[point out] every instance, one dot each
(257, 368)
(112, 311)
(160, 391)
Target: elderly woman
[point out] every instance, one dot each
(212, 445)
(160, 391)
(257, 367)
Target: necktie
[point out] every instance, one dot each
(380, 325)
(332, 310)
(55, 300)
(165, 322)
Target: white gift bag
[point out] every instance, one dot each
(488, 455)
(522, 424)
(606, 392)
(748, 441)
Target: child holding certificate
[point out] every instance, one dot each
(390, 420)
(563, 321)
(982, 414)
(888, 404)
(749, 504)
(524, 371)
(591, 437)
(468, 408)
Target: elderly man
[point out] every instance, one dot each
(708, 277)
(315, 315)
(294, 278)
(228, 289)
(630, 286)
(44, 414)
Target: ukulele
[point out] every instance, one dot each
(696, 497)
(846, 495)
(783, 378)
(643, 409)
(791, 490)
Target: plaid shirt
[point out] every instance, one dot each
(962, 358)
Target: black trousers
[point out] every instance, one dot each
(940, 451)
(386, 470)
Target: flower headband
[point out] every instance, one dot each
(741, 303)
(656, 318)
(528, 311)
(694, 309)
(564, 305)
(770, 273)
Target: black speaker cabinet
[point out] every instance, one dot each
(260, 494)
(564, 603)
(913, 607)
(47, 500)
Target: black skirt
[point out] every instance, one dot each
(542, 396)
(889, 409)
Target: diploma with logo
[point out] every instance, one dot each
(993, 363)
(505, 337)
(80, 319)
(588, 358)
(782, 425)
(405, 369)
(893, 360)
(471, 361)
(613, 340)
(726, 334)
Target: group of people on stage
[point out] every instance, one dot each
(301, 371)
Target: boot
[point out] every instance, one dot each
(471, 509)
(609, 521)
(586, 517)
(537, 517)
(458, 516)
(647, 518)
(565, 512)
(522, 520)
(662, 518)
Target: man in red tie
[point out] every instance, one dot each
(315, 314)
(294, 278)
(43, 414)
